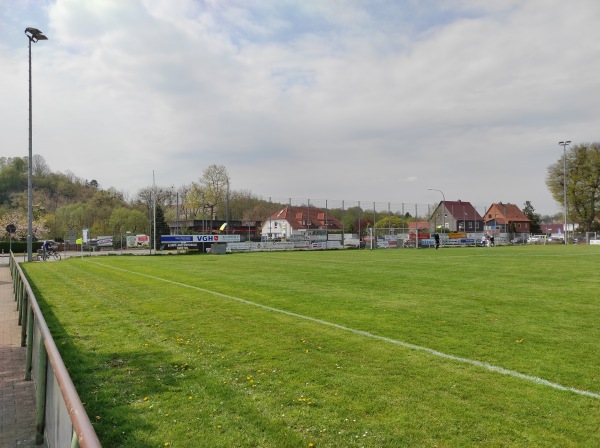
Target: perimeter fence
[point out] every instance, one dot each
(373, 212)
(373, 224)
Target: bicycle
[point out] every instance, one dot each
(54, 254)
(50, 253)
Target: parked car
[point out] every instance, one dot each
(518, 240)
(536, 239)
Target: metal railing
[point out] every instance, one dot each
(61, 419)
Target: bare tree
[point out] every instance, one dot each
(211, 192)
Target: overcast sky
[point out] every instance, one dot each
(354, 100)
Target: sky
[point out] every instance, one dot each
(374, 100)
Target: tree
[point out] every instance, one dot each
(390, 222)
(582, 181)
(534, 217)
(162, 228)
(212, 190)
(20, 221)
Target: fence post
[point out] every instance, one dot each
(23, 319)
(18, 293)
(29, 343)
(41, 394)
(74, 440)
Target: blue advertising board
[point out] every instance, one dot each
(166, 239)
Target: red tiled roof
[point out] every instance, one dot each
(462, 210)
(297, 217)
(507, 211)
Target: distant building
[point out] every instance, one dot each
(304, 221)
(456, 216)
(553, 229)
(246, 229)
(417, 225)
(506, 218)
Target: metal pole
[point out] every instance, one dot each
(34, 35)
(154, 212)
(30, 171)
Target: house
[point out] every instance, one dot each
(507, 218)
(553, 229)
(417, 225)
(303, 221)
(456, 216)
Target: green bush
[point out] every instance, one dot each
(18, 246)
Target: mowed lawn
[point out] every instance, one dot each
(493, 347)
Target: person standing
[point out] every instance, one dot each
(45, 249)
(436, 236)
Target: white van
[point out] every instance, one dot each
(537, 239)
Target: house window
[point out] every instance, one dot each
(490, 215)
(275, 224)
(470, 225)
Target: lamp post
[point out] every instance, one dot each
(33, 35)
(564, 145)
(444, 210)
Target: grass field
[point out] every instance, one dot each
(493, 347)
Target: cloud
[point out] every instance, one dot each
(378, 101)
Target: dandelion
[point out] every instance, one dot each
(97, 418)
(145, 398)
(311, 445)
(167, 444)
(190, 397)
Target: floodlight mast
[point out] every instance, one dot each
(34, 35)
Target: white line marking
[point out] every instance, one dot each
(485, 365)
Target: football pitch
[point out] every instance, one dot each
(386, 348)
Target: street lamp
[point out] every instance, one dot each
(33, 35)
(564, 145)
(444, 210)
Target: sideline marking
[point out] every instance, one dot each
(485, 365)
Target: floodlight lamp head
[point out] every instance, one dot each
(34, 34)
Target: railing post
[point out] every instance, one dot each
(23, 318)
(29, 351)
(18, 297)
(41, 394)
(74, 440)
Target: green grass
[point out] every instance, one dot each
(158, 358)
